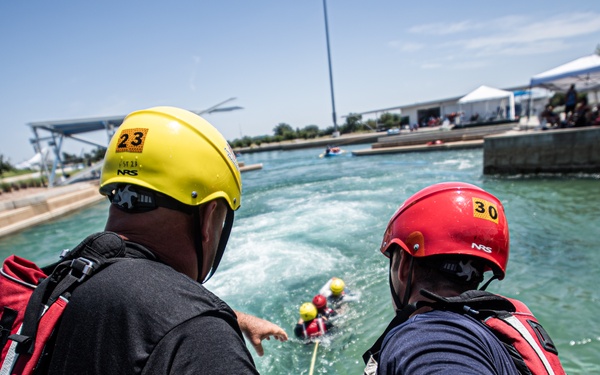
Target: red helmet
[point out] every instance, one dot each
(320, 301)
(451, 218)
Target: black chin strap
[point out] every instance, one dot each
(407, 290)
(487, 283)
(222, 243)
(395, 297)
(198, 240)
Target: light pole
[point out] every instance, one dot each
(336, 133)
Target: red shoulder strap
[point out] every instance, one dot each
(522, 330)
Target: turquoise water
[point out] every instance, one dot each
(305, 219)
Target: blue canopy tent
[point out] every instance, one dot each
(583, 72)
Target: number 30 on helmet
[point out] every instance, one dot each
(451, 219)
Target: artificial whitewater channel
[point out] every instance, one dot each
(305, 219)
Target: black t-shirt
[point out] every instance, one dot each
(139, 316)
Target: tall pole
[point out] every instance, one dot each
(335, 127)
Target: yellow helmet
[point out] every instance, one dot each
(337, 286)
(308, 311)
(173, 152)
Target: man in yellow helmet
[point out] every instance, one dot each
(174, 184)
(311, 324)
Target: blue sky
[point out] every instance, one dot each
(69, 60)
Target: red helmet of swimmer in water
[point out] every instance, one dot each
(320, 301)
(451, 218)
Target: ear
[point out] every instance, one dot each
(207, 233)
(404, 267)
(212, 216)
(207, 212)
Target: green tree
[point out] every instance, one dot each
(557, 99)
(98, 153)
(353, 122)
(282, 129)
(5, 165)
(311, 131)
(388, 120)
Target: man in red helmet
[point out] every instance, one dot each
(442, 240)
(320, 302)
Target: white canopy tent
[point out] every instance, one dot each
(487, 94)
(584, 72)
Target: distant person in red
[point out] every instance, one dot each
(320, 302)
(311, 325)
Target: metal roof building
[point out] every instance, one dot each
(55, 132)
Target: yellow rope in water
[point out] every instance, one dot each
(314, 357)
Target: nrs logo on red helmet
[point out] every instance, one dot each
(481, 247)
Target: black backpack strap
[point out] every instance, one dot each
(30, 319)
(91, 255)
(477, 303)
(6, 322)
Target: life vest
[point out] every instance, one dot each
(314, 328)
(32, 300)
(528, 344)
(327, 312)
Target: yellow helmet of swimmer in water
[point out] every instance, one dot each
(337, 286)
(308, 311)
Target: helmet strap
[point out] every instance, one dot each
(135, 199)
(222, 243)
(408, 288)
(395, 296)
(197, 233)
(487, 283)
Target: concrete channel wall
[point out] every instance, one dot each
(551, 151)
(422, 136)
(18, 214)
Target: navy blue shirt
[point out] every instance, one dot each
(442, 342)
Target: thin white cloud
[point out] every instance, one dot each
(468, 65)
(524, 49)
(519, 37)
(406, 47)
(455, 65)
(444, 29)
(515, 35)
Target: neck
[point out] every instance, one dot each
(166, 233)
